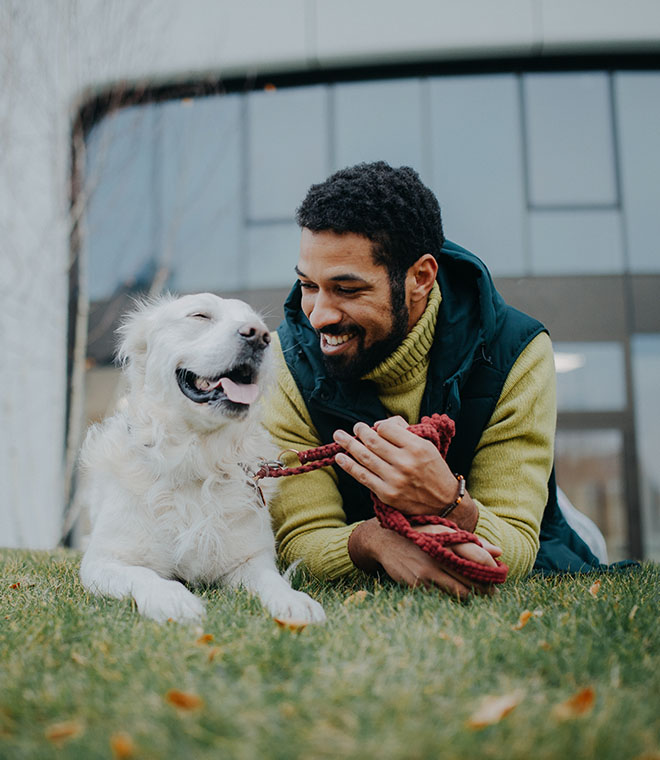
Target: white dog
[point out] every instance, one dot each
(169, 475)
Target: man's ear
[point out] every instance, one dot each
(421, 277)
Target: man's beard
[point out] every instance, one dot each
(363, 360)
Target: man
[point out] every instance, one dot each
(388, 322)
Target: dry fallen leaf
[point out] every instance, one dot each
(184, 700)
(522, 620)
(78, 658)
(295, 626)
(213, 653)
(205, 638)
(288, 710)
(493, 708)
(543, 644)
(595, 588)
(122, 746)
(579, 704)
(357, 598)
(456, 640)
(633, 612)
(61, 732)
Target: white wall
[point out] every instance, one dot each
(55, 53)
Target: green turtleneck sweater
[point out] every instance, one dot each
(508, 477)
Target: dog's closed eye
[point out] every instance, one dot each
(200, 315)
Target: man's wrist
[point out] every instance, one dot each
(466, 514)
(361, 545)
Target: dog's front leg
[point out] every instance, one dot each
(259, 576)
(156, 597)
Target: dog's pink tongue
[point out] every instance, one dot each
(239, 393)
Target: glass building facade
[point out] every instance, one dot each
(551, 177)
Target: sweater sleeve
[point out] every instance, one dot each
(517, 445)
(308, 517)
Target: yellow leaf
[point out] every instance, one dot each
(78, 658)
(579, 704)
(633, 612)
(456, 640)
(61, 732)
(295, 626)
(493, 708)
(205, 638)
(122, 746)
(184, 700)
(595, 588)
(213, 653)
(357, 598)
(288, 710)
(522, 620)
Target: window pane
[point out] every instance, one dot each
(377, 121)
(589, 471)
(121, 230)
(287, 149)
(646, 373)
(200, 209)
(590, 377)
(272, 254)
(477, 167)
(569, 139)
(576, 242)
(638, 118)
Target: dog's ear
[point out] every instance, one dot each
(133, 334)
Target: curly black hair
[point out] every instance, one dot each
(389, 206)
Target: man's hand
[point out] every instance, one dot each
(403, 470)
(372, 547)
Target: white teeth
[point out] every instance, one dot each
(203, 384)
(336, 340)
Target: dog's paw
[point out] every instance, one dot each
(170, 600)
(296, 605)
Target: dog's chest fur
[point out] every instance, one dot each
(191, 510)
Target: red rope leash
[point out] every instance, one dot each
(439, 429)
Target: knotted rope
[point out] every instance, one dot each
(439, 429)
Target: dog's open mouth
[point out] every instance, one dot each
(235, 387)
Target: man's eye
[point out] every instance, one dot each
(307, 285)
(347, 291)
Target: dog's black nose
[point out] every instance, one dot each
(255, 333)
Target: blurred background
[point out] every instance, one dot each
(165, 146)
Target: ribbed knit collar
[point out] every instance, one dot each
(411, 358)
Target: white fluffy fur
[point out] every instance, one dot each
(168, 494)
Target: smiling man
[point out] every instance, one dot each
(388, 322)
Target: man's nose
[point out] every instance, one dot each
(323, 312)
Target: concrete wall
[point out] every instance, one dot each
(55, 54)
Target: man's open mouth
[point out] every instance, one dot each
(235, 388)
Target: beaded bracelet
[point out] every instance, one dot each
(458, 499)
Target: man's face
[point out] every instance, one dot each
(347, 299)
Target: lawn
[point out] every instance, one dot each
(392, 674)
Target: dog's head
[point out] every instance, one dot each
(200, 351)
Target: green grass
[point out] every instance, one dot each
(396, 675)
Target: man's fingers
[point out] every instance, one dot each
(493, 550)
(397, 420)
(360, 473)
(369, 449)
(470, 551)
